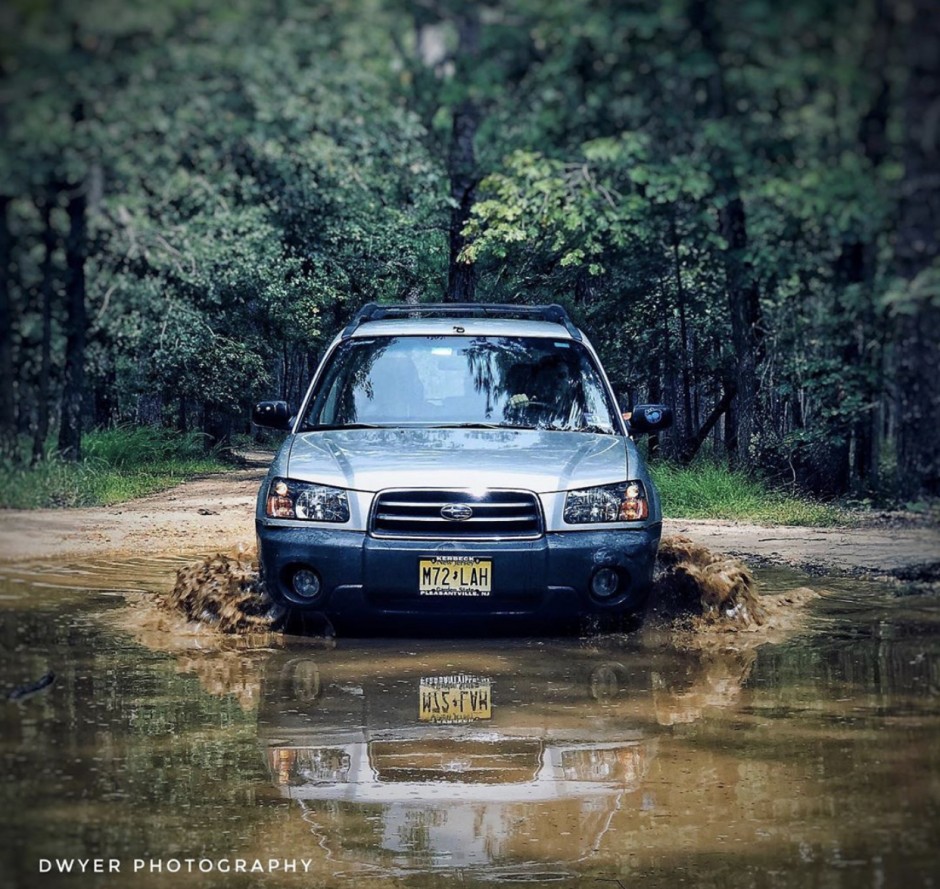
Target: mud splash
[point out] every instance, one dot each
(693, 579)
(708, 601)
(224, 592)
(695, 588)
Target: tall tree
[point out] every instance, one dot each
(917, 255)
(461, 160)
(71, 422)
(7, 403)
(47, 288)
(741, 282)
(709, 187)
(7, 327)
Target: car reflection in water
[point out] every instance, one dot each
(402, 765)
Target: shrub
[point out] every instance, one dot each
(708, 490)
(119, 464)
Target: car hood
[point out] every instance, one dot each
(535, 460)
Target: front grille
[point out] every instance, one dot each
(418, 513)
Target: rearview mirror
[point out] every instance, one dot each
(272, 414)
(645, 418)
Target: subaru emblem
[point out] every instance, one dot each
(456, 512)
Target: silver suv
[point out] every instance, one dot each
(463, 464)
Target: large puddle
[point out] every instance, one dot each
(811, 761)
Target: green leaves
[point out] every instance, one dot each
(910, 298)
(255, 174)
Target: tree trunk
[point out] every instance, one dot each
(857, 265)
(684, 357)
(461, 160)
(218, 428)
(917, 258)
(655, 397)
(149, 410)
(873, 127)
(182, 416)
(7, 405)
(742, 417)
(105, 407)
(744, 308)
(7, 396)
(693, 443)
(47, 289)
(76, 321)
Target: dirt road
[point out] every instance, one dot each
(205, 514)
(897, 548)
(216, 513)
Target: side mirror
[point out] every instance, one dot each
(272, 414)
(646, 418)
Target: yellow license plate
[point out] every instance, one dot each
(455, 576)
(454, 699)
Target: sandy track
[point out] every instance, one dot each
(872, 547)
(203, 514)
(216, 513)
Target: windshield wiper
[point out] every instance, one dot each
(587, 427)
(472, 425)
(593, 427)
(331, 427)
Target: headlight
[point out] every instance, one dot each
(288, 499)
(623, 502)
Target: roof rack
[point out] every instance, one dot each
(553, 313)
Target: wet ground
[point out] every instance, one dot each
(810, 760)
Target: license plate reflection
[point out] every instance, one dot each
(454, 699)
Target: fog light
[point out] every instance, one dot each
(605, 583)
(306, 583)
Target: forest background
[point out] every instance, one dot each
(738, 199)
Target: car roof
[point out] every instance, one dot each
(455, 318)
(457, 326)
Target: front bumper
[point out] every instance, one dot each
(364, 578)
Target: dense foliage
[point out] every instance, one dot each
(195, 194)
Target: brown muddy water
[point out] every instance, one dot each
(812, 759)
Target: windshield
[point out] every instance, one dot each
(518, 382)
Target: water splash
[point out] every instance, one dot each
(225, 592)
(718, 592)
(692, 579)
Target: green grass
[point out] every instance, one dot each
(710, 491)
(118, 464)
